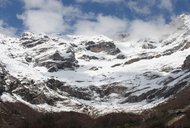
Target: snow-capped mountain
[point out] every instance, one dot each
(94, 74)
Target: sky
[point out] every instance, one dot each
(89, 17)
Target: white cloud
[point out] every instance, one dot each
(47, 16)
(107, 25)
(52, 16)
(146, 6)
(41, 21)
(101, 1)
(154, 29)
(51, 5)
(5, 29)
(166, 4)
(138, 7)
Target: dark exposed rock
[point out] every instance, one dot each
(134, 91)
(57, 56)
(133, 60)
(2, 89)
(28, 58)
(25, 35)
(89, 43)
(173, 90)
(41, 99)
(26, 94)
(53, 68)
(58, 61)
(54, 84)
(28, 40)
(151, 75)
(156, 93)
(108, 47)
(12, 84)
(144, 96)
(132, 99)
(96, 89)
(181, 46)
(186, 64)
(116, 65)
(81, 93)
(167, 80)
(2, 72)
(166, 68)
(114, 88)
(87, 93)
(7, 82)
(148, 46)
(34, 96)
(34, 42)
(88, 58)
(121, 56)
(94, 68)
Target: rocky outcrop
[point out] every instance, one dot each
(148, 44)
(28, 40)
(133, 60)
(150, 95)
(174, 113)
(180, 47)
(121, 56)
(108, 47)
(186, 64)
(58, 60)
(114, 88)
(2, 72)
(88, 58)
(87, 93)
(30, 93)
(81, 93)
(2, 77)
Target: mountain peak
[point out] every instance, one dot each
(93, 74)
(182, 21)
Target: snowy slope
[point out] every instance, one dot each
(94, 74)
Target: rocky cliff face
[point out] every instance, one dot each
(94, 75)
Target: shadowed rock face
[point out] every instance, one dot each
(58, 61)
(53, 61)
(172, 114)
(2, 76)
(108, 47)
(2, 72)
(28, 41)
(186, 64)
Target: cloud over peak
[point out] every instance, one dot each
(43, 16)
(107, 25)
(53, 16)
(5, 29)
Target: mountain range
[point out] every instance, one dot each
(97, 77)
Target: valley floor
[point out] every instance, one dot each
(175, 113)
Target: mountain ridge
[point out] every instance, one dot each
(94, 75)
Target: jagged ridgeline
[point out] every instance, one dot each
(94, 75)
